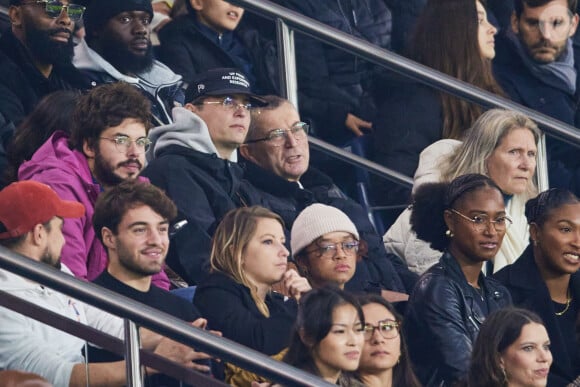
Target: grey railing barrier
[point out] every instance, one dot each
(401, 65)
(157, 321)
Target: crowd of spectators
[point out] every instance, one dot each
(145, 147)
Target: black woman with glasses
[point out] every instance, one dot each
(545, 278)
(384, 359)
(466, 219)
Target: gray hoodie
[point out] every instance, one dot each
(187, 130)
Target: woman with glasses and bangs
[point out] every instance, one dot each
(545, 278)
(385, 360)
(467, 220)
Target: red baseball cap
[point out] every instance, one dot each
(25, 204)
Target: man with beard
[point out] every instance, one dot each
(31, 222)
(107, 146)
(117, 47)
(535, 66)
(35, 59)
(132, 221)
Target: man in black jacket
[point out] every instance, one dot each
(35, 59)
(194, 161)
(277, 166)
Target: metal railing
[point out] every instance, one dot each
(288, 21)
(157, 321)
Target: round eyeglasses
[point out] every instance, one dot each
(54, 9)
(482, 222)
(388, 329)
(228, 103)
(278, 137)
(123, 143)
(329, 250)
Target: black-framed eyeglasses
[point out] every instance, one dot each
(123, 143)
(389, 329)
(481, 222)
(329, 250)
(278, 137)
(228, 103)
(54, 9)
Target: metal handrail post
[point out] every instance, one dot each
(132, 362)
(287, 62)
(542, 164)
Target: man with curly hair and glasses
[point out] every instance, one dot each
(107, 146)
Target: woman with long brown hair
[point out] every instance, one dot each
(455, 38)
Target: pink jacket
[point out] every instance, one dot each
(67, 172)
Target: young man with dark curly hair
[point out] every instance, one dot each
(107, 146)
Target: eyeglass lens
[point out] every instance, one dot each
(387, 329)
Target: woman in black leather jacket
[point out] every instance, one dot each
(465, 218)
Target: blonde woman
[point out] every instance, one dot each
(248, 257)
(502, 145)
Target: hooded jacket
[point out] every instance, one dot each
(184, 162)
(67, 172)
(27, 344)
(161, 85)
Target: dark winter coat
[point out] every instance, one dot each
(529, 291)
(443, 320)
(188, 52)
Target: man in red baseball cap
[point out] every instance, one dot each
(31, 219)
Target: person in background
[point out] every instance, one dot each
(412, 115)
(545, 278)
(335, 86)
(385, 359)
(511, 350)
(52, 113)
(466, 219)
(210, 36)
(502, 144)
(117, 47)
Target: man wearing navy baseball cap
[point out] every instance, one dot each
(195, 162)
